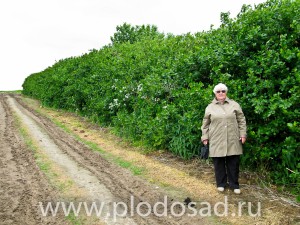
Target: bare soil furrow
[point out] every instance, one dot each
(22, 184)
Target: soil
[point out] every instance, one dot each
(98, 180)
(22, 184)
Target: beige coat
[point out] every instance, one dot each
(223, 125)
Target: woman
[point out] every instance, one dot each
(224, 129)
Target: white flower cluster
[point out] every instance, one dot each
(114, 104)
(128, 94)
(139, 87)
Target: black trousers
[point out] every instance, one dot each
(227, 167)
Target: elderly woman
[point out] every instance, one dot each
(224, 129)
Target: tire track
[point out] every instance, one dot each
(22, 184)
(82, 177)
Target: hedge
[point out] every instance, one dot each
(153, 88)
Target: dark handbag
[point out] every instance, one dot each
(204, 151)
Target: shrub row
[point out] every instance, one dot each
(153, 87)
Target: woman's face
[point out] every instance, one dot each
(220, 95)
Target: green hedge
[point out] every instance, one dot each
(153, 88)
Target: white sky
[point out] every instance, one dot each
(36, 33)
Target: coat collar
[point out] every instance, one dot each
(215, 101)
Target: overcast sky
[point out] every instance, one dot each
(36, 33)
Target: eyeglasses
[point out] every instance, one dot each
(223, 91)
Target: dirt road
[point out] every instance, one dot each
(126, 199)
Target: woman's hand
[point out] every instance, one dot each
(243, 139)
(205, 142)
